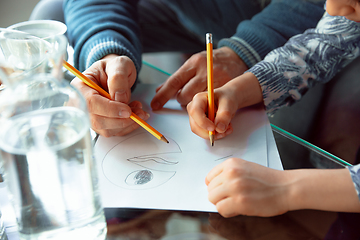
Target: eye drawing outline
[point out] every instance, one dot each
(146, 170)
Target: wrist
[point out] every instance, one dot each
(231, 55)
(294, 190)
(322, 189)
(247, 90)
(110, 56)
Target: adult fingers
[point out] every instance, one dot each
(108, 127)
(198, 83)
(102, 106)
(103, 122)
(172, 85)
(118, 126)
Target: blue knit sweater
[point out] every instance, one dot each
(99, 27)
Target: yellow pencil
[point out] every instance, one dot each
(210, 83)
(133, 116)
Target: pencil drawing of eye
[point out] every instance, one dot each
(139, 177)
(145, 179)
(151, 163)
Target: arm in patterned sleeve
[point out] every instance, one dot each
(307, 59)
(97, 28)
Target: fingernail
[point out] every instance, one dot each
(143, 116)
(120, 96)
(221, 127)
(156, 105)
(220, 135)
(146, 117)
(229, 131)
(124, 114)
(210, 129)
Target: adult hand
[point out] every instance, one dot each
(110, 117)
(239, 187)
(191, 77)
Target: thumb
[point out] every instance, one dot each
(121, 73)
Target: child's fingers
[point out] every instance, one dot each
(201, 132)
(226, 110)
(213, 173)
(197, 110)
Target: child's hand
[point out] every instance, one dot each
(239, 187)
(240, 92)
(200, 124)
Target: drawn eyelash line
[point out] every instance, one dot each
(151, 158)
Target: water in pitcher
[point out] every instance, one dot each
(51, 175)
(2, 229)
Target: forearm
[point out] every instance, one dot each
(307, 59)
(246, 89)
(321, 189)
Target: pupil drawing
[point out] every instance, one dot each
(139, 177)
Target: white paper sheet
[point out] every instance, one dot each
(140, 171)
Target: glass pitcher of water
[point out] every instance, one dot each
(45, 143)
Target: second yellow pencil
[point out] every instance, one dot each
(210, 83)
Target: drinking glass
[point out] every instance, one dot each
(43, 29)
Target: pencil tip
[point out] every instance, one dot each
(164, 139)
(211, 136)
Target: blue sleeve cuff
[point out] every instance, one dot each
(102, 44)
(244, 50)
